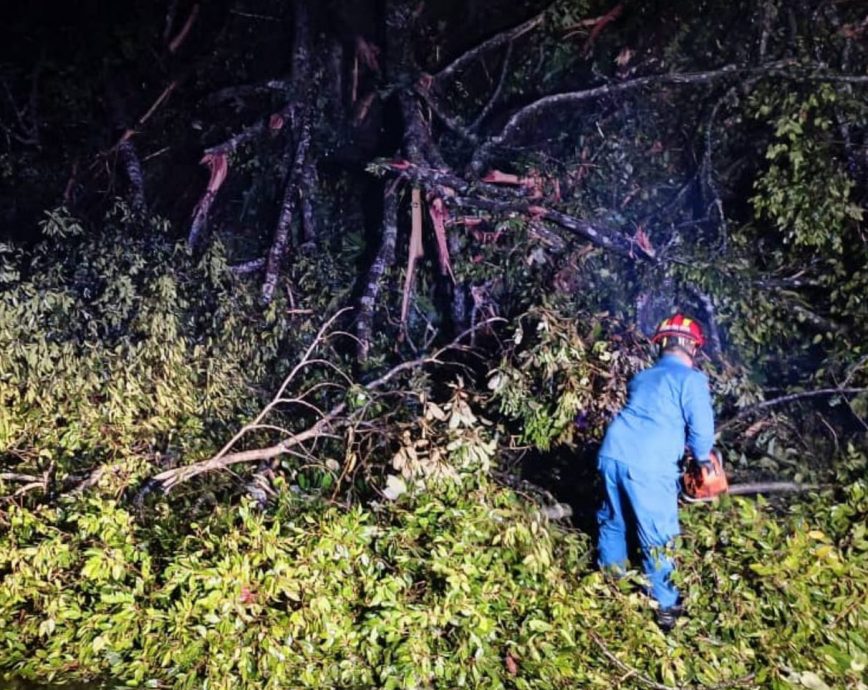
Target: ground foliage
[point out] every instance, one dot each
(382, 552)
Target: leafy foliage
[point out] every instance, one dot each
(562, 379)
(462, 586)
(114, 348)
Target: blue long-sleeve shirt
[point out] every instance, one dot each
(662, 403)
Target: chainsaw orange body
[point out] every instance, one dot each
(700, 483)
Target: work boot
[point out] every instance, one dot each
(666, 617)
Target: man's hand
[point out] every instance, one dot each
(708, 465)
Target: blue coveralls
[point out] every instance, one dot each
(638, 462)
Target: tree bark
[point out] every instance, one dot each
(280, 243)
(384, 259)
(301, 83)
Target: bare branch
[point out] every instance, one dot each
(301, 65)
(284, 221)
(495, 95)
(253, 131)
(785, 69)
(645, 680)
(452, 123)
(521, 117)
(504, 37)
(246, 267)
(16, 477)
(792, 397)
(176, 42)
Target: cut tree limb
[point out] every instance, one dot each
(218, 156)
(414, 253)
(602, 236)
(457, 192)
(219, 168)
(437, 213)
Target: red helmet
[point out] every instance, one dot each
(679, 328)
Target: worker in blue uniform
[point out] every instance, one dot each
(638, 460)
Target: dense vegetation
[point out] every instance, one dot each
(301, 424)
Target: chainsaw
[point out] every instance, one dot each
(704, 481)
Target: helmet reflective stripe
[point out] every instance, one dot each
(679, 327)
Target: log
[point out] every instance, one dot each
(756, 488)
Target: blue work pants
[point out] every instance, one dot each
(647, 501)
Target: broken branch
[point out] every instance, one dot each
(284, 221)
(414, 253)
(185, 30)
